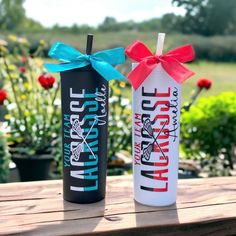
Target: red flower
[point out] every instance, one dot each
(3, 96)
(204, 83)
(46, 81)
(22, 69)
(24, 58)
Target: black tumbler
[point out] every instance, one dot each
(84, 96)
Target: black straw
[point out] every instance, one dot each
(89, 45)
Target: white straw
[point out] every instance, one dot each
(160, 43)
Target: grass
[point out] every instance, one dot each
(106, 40)
(223, 75)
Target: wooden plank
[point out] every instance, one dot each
(30, 190)
(38, 209)
(216, 196)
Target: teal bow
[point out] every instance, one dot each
(101, 61)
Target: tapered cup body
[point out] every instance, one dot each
(84, 96)
(156, 124)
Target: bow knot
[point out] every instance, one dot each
(87, 57)
(153, 59)
(101, 61)
(150, 60)
(172, 62)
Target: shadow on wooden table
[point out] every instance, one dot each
(148, 218)
(73, 219)
(141, 220)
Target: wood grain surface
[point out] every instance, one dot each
(204, 207)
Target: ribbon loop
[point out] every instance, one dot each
(171, 62)
(138, 51)
(63, 52)
(101, 61)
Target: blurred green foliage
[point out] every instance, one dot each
(208, 133)
(13, 17)
(207, 17)
(167, 23)
(33, 111)
(119, 128)
(215, 48)
(4, 159)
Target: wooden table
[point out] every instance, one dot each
(204, 207)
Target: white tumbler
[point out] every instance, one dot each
(156, 125)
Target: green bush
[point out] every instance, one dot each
(215, 48)
(4, 160)
(208, 133)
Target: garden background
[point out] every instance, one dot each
(208, 130)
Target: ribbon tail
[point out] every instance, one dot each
(113, 56)
(140, 73)
(106, 70)
(182, 54)
(65, 66)
(176, 70)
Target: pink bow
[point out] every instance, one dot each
(171, 62)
